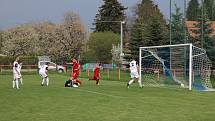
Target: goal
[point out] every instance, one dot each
(181, 65)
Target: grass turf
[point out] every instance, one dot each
(110, 101)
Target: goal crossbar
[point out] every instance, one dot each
(162, 46)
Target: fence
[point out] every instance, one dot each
(26, 68)
(106, 73)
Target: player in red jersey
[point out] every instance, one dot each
(75, 72)
(96, 76)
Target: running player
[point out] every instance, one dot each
(134, 73)
(43, 72)
(96, 76)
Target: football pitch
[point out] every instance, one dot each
(110, 101)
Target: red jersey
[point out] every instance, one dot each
(96, 72)
(75, 67)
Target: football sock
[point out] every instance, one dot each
(47, 81)
(43, 81)
(131, 81)
(17, 83)
(14, 83)
(97, 81)
(127, 85)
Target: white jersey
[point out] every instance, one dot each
(133, 66)
(43, 69)
(16, 70)
(15, 67)
(19, 68)
(133, 69)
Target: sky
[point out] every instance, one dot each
(16, 12)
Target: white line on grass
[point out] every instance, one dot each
(100, 93)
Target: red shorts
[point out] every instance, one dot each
(75, 75)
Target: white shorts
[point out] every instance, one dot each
(134, 74)
(43, 74)
(16, 76)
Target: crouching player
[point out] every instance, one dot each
(44, 74)
(16, 73)
(73, 81)
(96, 76)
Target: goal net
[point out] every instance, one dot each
(182, 65)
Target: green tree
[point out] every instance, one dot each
(136, 40)
(154, 23)
(100, 45)
(178, 34)
(203, 32)
(148, 29)
(147, 10)
(210, 53)
(110, 11)
(209, 6)
(193, 10)
(157, 33)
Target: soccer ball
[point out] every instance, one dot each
(182, 85)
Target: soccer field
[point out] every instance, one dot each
(110, 101)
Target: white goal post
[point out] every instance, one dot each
(182, 65)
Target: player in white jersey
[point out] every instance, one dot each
(16, 73)
(44, 74)
(19, 69)
(134, 73)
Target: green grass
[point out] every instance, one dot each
(110, 101)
